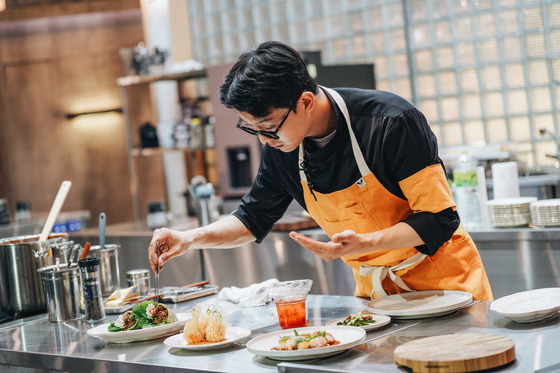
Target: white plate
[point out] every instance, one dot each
(137, 335)
(528, 306)
(381, 320)
(348, 336)
(420, 304)
(232, 334)
(511, 201)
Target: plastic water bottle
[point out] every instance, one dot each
(466, 193)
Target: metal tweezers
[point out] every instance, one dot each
(157, 272)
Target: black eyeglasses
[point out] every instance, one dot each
(269, 134)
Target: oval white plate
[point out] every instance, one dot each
(348, 336)
(381, 320)
(232, 334)
(137, 335)
(420, 304)
(528, 306)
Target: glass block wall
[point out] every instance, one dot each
(482, 71)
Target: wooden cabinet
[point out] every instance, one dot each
(195, 158)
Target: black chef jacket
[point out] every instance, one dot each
(396, 142)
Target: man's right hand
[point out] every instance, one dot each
(171, 244)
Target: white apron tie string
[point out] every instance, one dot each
(378, 274)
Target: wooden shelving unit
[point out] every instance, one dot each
(138, 80)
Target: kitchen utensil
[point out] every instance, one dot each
(108, 267)
(102, 230)
(419, 304)
(529, 306)
(55, 209)
(140, 278)
(195, 285)
(21, 290)
(73, 255)
(87, 246)
(545, 213)
(157, 271)
(348, 336)
(144, 299)
(176, 295)
(451, 353)
(62, 292)
(138, 335)
(91, 282)
(233, 334)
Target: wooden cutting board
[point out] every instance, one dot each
(453, 353)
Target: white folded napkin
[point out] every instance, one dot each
(251, 296)
(121, 297)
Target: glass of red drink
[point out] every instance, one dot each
(290, 297)
(292, 312)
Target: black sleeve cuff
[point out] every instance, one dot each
(433, 229)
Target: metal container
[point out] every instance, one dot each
(108, 267)
(140, 278)
(62, 292)
(93, 302)
(21, 291)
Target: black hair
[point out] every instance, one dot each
(270, 76)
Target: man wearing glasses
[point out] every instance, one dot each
(363, 163)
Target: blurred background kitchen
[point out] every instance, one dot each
(119, 96)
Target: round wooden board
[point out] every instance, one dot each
(454, 353)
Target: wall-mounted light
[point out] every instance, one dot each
(75, 115)
(2, 5)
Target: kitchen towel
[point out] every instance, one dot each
(505, 180)
(251, 296)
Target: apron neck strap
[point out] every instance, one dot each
(358, 156)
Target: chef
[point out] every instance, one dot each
(363, 163)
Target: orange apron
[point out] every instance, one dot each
(367, 206)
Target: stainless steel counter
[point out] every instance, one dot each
(34, 343)
(515, 259)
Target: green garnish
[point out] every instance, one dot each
(357, 320)
(301, 339)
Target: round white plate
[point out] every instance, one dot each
(381, 320)
(137, 335)
(348, 336)
(420, 304)
(528, 306)
(232, 334)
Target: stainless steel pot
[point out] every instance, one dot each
(21, 290)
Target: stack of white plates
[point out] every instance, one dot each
(510, 212)
(546, 212)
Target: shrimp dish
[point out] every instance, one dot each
(205, 326)
(298, 341)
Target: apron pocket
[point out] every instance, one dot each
(352, 215)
